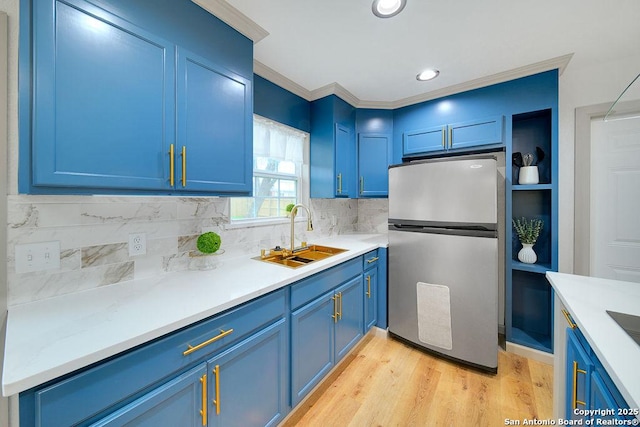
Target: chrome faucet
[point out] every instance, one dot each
(294, 211)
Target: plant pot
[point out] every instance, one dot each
(527, 254)
(528, 175)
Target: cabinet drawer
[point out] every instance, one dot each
(370, 260)
(123, 378)
(316, 285)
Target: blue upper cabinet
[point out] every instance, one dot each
(333, 148)
(103, 102)
(374, 150)
(464, 135)
(373, 165)
(120, 104)
(214, 127)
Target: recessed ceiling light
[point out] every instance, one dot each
(427, 75)
(387, 8)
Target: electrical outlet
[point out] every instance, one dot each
(37, 257)
(137, 244)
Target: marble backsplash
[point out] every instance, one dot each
(93, 232)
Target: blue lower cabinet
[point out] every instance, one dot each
(578, 369)
(179, 402)
(370, 298)
(312, 329)
(348, 328)
(589, 387)
(322, 332)
(248, 383)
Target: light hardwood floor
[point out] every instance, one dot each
(387, 383)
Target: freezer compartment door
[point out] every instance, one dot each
(443, 294)
(455, 191)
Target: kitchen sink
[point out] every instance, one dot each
(299, 257)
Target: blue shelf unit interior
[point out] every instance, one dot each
(529, 316)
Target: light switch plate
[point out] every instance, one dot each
(37, 257)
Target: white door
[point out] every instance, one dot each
(615, 198)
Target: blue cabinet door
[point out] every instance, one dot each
(476, 133)
(602, 399)
(370, 298)
(248, 382)
(373, 164)
(344, 159)
(424, 140)
(311, 344)
(180, 402)
(214, 147)
(348, 329)
(578, 373)
(103, 109)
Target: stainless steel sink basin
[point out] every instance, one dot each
(301, 256)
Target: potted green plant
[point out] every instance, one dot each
(528, 231)
(209, 242)
(289, 208)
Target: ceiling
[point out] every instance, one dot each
(339, 46)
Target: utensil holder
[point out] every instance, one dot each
(528, 175)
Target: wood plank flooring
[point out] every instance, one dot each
(388, 383)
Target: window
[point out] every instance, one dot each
(280, 172)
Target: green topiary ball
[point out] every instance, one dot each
(208, 242)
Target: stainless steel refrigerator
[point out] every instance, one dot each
(444, 256)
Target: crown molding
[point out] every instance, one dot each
(559, 62)
(234, 18)
(337, 90)
(275, 77)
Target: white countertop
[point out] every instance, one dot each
(587, 299)
(53, 337)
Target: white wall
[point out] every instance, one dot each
(584, 84)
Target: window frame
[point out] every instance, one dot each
(302, 179)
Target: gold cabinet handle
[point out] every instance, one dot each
(190, 349)
(184, 166)
(172, 166)
(374, 259)
(567, 316)
(335, 308)
(369, 286)
(340, 312)
(576, 371)
(361, 184)
(216, 401)
(443, 137)
(450, 137)
(339, 183)
(203, 411)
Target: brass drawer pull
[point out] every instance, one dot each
(576, 371)
(172, 165)
(369, 286)
(335, 308)
(567, 316)
(374, 259)
(184, 166)
(203, 411)
(216, 401)
(190, 349)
